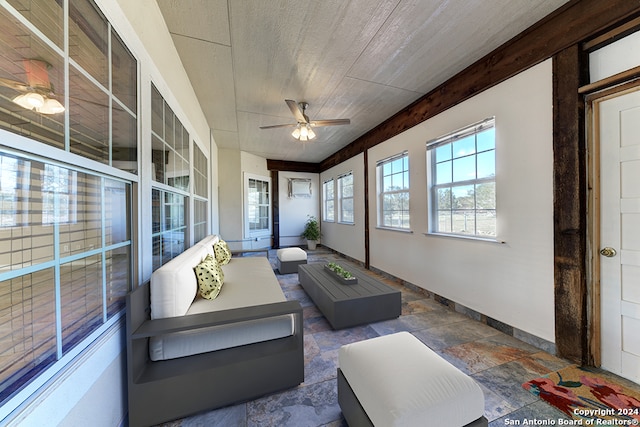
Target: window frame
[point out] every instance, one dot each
(325, 201)
(115, 170)
(60, 259)
(380, 177)
(342, 198)
(262, 232)
(433, 187)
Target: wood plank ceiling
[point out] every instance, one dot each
(360, 59)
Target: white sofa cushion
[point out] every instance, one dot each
(174, 285)
(401, 382)
(249, 281)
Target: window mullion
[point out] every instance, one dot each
(57, 278)
(103, 232)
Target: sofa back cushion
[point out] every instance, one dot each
(174, 285)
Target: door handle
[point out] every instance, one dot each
(608, 252)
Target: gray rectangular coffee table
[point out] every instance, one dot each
(349, 305)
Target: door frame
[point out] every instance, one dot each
(593, 214)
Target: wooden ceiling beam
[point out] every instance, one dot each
(290, 166)
(576, 22)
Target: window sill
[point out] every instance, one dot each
(463, 237)
(400, 230)
(346, 223)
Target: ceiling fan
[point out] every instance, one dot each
(37, 93)
(303, 128)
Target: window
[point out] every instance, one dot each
(462, 181)
(201, 188)
(345, 197)
(393, 192)
(101, 81)
(169, 145)
(328, 189)
(170, 175)
(257, 206)
(64, 233)
(168, 213)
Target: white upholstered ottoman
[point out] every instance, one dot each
(396, 380)
(289, 259)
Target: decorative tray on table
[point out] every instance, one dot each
(340, 274)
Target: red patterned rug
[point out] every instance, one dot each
(587, 394)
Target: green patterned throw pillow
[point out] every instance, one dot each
(210, 277)
(223, 254)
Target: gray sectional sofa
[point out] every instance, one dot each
(186, 354)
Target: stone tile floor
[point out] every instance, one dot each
(498, 362)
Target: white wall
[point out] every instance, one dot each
(230, 195)
(294, 211)
(233, 165)
(513, 281)
(615, 58)
(347, 238)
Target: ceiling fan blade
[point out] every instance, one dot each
(290, 125)
(296, 111)
(332, 122)
(13, 84)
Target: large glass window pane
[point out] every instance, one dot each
(88, 118)
(201, 173)
(118, 269)
(486, 164)
(168, 226)
(156, 243)
(29, 67)
(464, 197)
(117, 199)
(80, 225)
(486, 195)
(443, 153)
(443, 173)
(42, 203)
(124, 139)
(468, 209)
(88, 39)
(486, 222)
(258, 205)
(330, 215)
(27, 329)
(464, 169)
(464, 147)
(158, 159)
(169, 136)
(463, 221)
(170, 146)
(46, 15)
(81, 299)
(24, 239)
(124, 69)
(443, 199)
(200, 219)
(157, 112)
(486, 140)
(393, 189)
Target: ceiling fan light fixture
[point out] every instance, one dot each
(296, 132)
(29, 100)
(51, 106)
(304, 133)
(310, 132)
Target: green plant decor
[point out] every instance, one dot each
(340, 271)
(311, 229)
